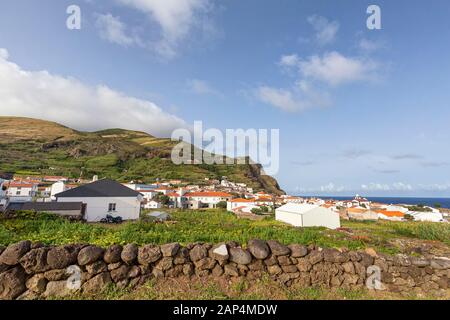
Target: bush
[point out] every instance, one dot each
(222, 205)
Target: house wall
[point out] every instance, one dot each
(322, 217)
(288, 217)
(128, 208)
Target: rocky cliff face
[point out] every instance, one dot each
(33, 271)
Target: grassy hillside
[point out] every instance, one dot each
(30, 146)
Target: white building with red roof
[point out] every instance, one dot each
(206, 199)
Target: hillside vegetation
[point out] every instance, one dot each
(34, 147)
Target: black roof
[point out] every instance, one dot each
(100, 188)
(46, 206)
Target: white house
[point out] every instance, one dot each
(307, 215)
(238, 203)
(427, 216)
(105, 197)
(207, 199)
(19, 191)
(152, 205)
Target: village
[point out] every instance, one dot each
(104, 200)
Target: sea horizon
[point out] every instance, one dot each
(444, 202)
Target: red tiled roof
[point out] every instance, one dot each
(208, 194)
(242, 200)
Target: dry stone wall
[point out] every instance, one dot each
(34, 271)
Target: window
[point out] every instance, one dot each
(111, 207)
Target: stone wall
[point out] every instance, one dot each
(32, 270)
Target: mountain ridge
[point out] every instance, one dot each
(33, 146)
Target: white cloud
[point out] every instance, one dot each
(301, 97)
(326, 31)
(4, 54)
(289, 60)
(369, 46)
(176, 19)
(336, 69)
(398, 186)
(201, 87)
(42, 95)
(329, 188)
(114, 30)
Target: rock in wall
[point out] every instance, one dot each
(32, 271)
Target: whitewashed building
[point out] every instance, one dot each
(19, 191)
(427, 216)
(105, 197)
(152, 205)
(206, 199)
(238, 203)
(307, 215)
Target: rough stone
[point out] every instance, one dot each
(284, 261)
(333, 255)
(440, 263)
(259, 249)
(198, 252)
(35, 261)
(114, 266)
(12, 254)
(56, 275)
(134, 272)
(205, 264)
(182, 256)
(37, 283)
(149, 254)
(220, 253)
(349, 267)
(97, 284)
(240, 256)
(164, 264)
(274, 270)
(278, 249)
(89, 254)
(298, 251)
(63, 256)
(217, 271)
(57, 289)
(129, 253)
(270, 261)
(97, 267)
(231, 270)
(170, 250)
(120, 273)
(422, 263)
(188, 269)
(289, 269)
(304, 265)
(12, 283)
(113, 254)
(315, 257)
(28, 295)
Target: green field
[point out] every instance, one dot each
(218, 226)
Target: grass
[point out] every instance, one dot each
(215, 226)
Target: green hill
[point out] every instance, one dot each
(33, 147)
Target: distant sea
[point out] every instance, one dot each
(444, 202)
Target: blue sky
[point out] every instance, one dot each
(359, 111)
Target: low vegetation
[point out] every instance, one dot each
(216, 226)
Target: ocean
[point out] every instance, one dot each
(432, 202)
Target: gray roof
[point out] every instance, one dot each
(100, 188)
(46, 206)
